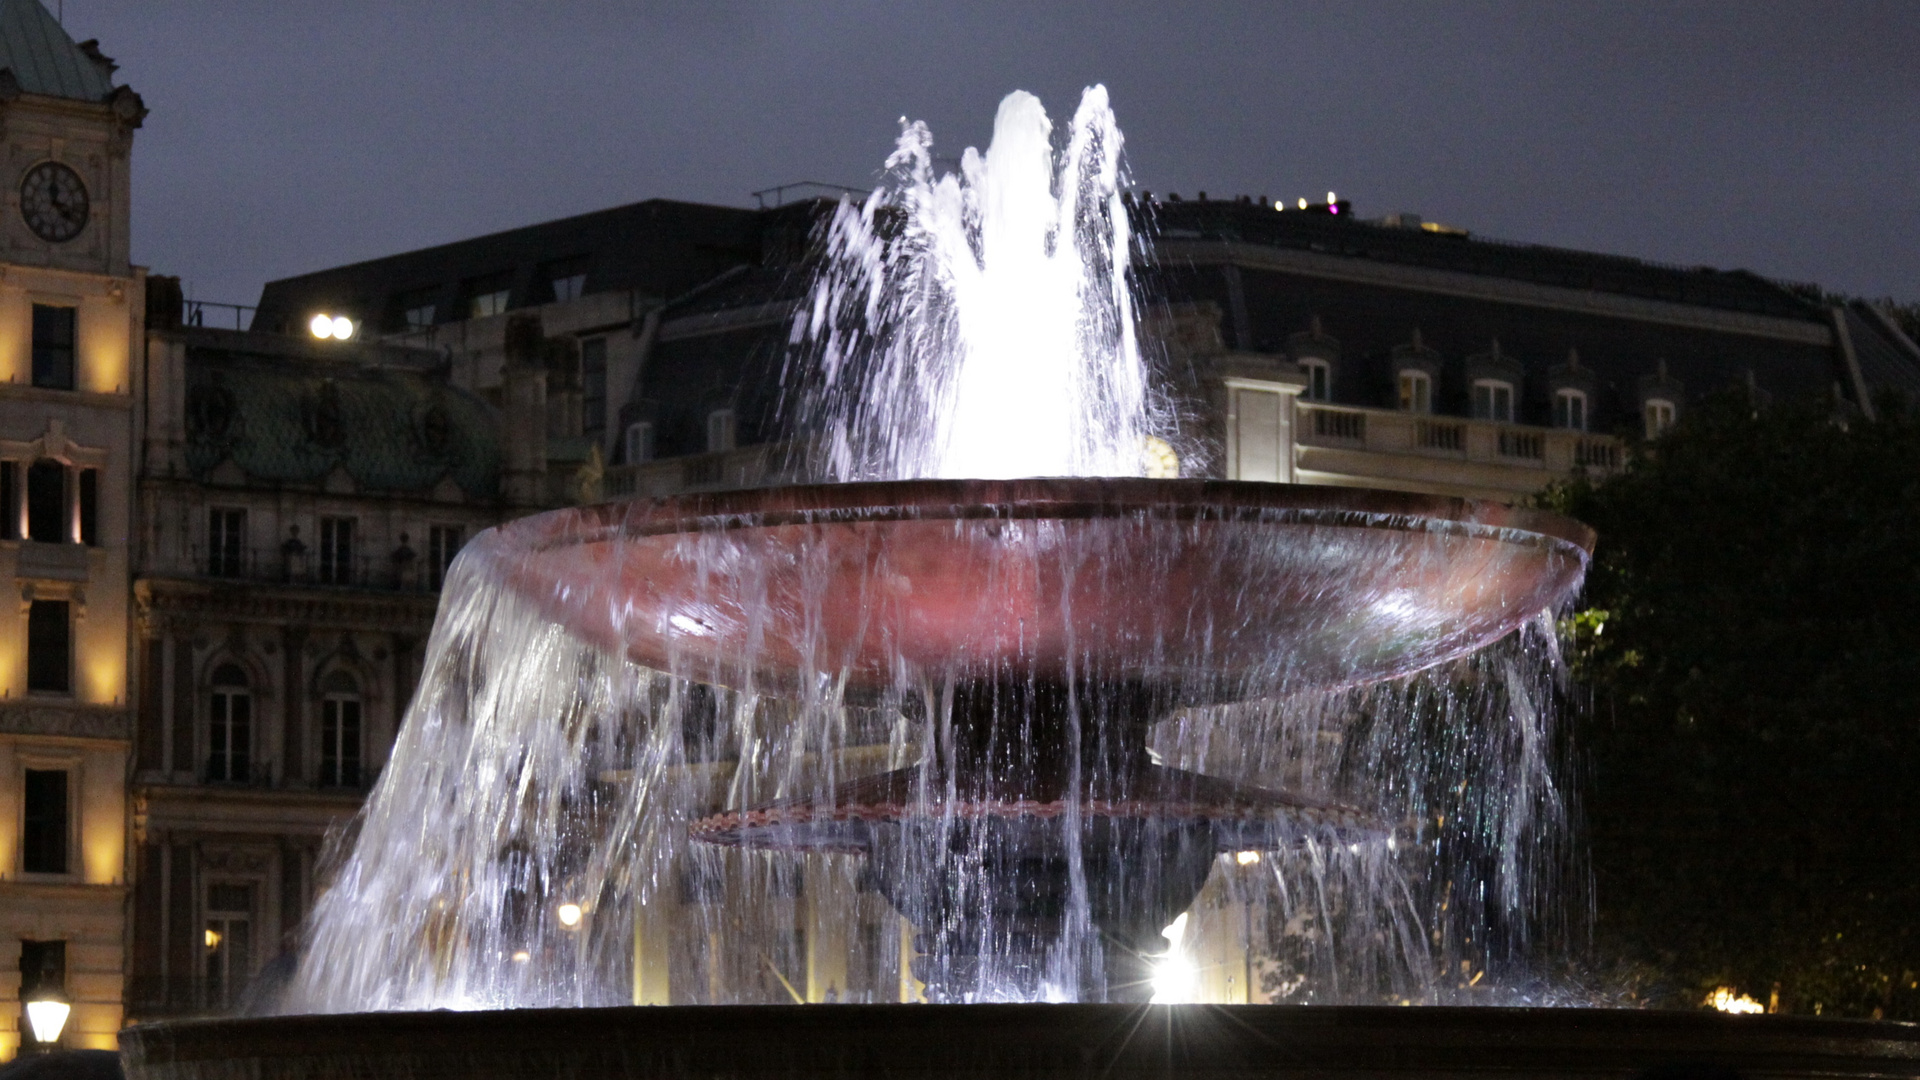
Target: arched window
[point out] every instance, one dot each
(1416, 392)
(1659, 414)
(230, 726)
(1493, 400)
(1570, 409)
(340, 731)
(1319, 379)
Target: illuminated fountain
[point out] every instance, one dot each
(678, 750)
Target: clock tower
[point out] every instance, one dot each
(72, 320)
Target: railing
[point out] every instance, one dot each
(209, 313)
(307, 569)
(1387, 431)
(750, 466)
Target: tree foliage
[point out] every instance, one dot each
(1751, 647)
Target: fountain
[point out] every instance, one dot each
(692, 751)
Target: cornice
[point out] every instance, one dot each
(54, 719)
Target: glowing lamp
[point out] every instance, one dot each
(47, 1016)
(1246, 858)
(342, 327)
(570, 915)
(338, 327)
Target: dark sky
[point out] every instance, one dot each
(286, 137)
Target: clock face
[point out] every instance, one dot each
(54, 202)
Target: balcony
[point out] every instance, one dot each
(1484, 458)
(746, 467)
(274, 566)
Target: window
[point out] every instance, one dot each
(1319, 380)
(49, 647)
(488, 295)
(226, 542)
(336, 551)
(1493, 400)
(418, 317)
(1570, 410)
(593, 389)
(1659, 413)
(340, 731)
(90, 507)
(569, 287)
(47, 502)
(228, 941)
(1416, 392)
(417, 307)
(443, 543)
(230, 726)
(720, 430)
(639, 446)
(43, 840)
(53, 347)
(9, 500)
(43, 967)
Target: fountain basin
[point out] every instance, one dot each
(1081, 1042)
(1212, 590)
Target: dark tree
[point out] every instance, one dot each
(1751, 648)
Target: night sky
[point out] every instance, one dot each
(285, 137)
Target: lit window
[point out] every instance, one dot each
(228, 942)
(443, 543)
(490, 303)
(1319, 380)
(720, 430)
(88, 511)
(1570, 410)
(1416, 392)
(1659, 414)
(47, 823)
(226, 542)
(1493, 400)
(639, 442)
(340, 732)
(9, 500)
(53, 338)
(50, 647)
(230, 726)
(336, 551)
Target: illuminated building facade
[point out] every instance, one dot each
(71, 323)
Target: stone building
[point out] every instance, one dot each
(299, 503)
(71, 324)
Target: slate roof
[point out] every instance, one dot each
(44, 60)
(283, 421)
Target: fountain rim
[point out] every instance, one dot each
(1042, 498)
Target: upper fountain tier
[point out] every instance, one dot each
(1206, 590)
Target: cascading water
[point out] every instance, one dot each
(960, 741)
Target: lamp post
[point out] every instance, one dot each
(47, 1012)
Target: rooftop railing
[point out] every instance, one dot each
(1387, 431)
(277, 566)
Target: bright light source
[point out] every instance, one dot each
(1246, 858)
(322, 326)
(1303, 202)
(1729, 1000)
(1332, 198)
(569, 915)
(213, 939)
(1173, 974)
(1279, 204)
(342, 327)
(522, 956)
(47, 1017)
(1160, 460)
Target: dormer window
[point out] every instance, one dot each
(720, 430)
(1416, 392)
(1660, 414)
(1319, 380)
(639, 443)
(1570, 409)
(1493, 400)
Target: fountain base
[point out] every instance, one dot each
(717, 1042)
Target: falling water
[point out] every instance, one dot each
(531, 839)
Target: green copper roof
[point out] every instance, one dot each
(282, 421)
(44, 60)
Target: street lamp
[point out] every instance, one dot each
(47, 1012)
